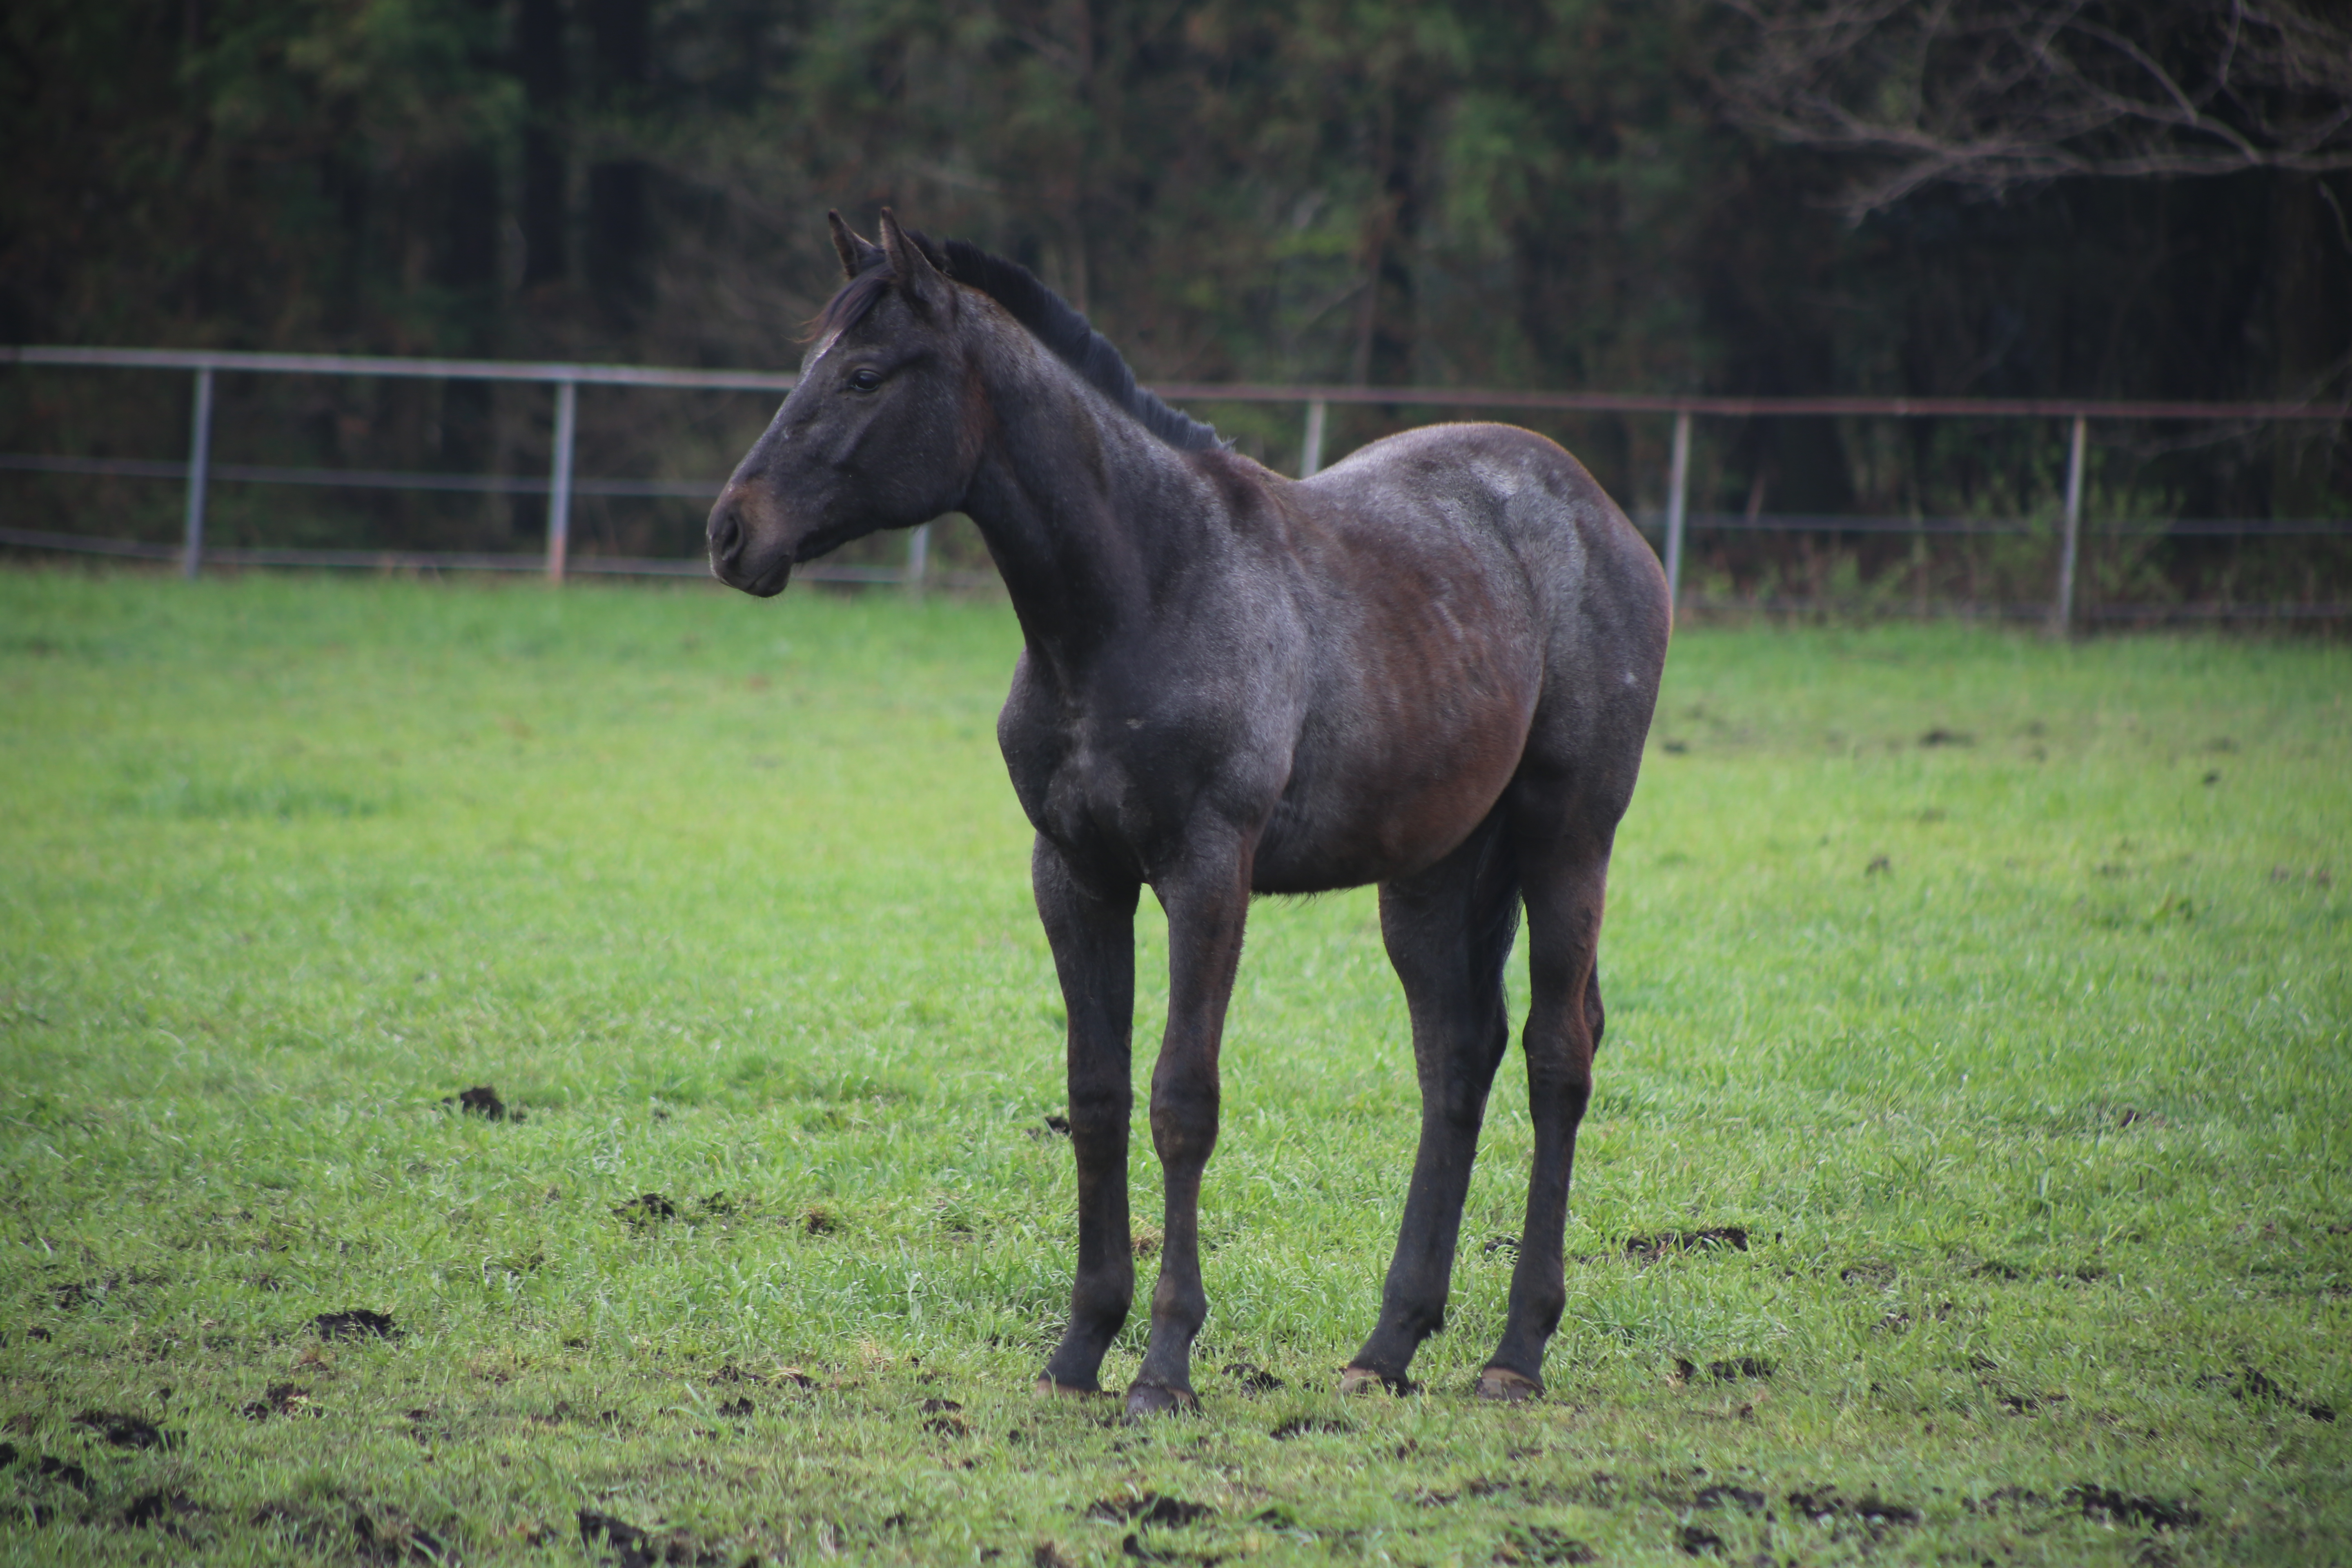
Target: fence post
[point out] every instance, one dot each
(1678, 498)
(2069, 545)
(200, 464)
(918, 557)
(559, 480)
(1310, 451)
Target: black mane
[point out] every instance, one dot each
(1050, 318)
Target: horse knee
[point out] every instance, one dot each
(1183, 1124)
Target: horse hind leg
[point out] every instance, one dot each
(1449, 932)
(1566, 873)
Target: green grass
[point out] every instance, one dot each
(2041, 1134)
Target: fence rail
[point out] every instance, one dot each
(562, 483)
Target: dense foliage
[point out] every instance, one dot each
(1553, 192)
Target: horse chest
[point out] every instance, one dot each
(1113, 785)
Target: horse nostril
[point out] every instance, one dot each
(725, 534)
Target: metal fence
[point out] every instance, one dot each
(1677, 523)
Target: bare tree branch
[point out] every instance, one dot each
(1990, 95)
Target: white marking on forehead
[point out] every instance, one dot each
(824, 347)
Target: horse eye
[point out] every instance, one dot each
(864, 380)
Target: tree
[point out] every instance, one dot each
(1993, 94)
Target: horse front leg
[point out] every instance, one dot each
(1208, 906)
(1092, 932)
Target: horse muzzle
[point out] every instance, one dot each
(744, 555)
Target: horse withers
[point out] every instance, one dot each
(1431, 666)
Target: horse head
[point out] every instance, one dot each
(873, 436)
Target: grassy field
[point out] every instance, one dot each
(1998, 995)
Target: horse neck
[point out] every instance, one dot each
(1083, 508)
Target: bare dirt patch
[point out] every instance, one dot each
(646, 1208)
(635, 1548)
(1823, 1504)
(171, 1512)
(1542, 1544)
(483, 1101)
(1252, 1378)
(1167, 1511)
(120, 1431)
(279, 1399)
(2253, 1386)
(358, 1324)
(2107, 1505)
(1713, 1239)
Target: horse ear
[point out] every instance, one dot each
(855, 252)
(919, 280)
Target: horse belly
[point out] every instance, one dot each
(1381, 795)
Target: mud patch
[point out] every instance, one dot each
(280, 1399)
(484, 1102)
(65, 1473)
(1541, 1543)
(1133, 1547)
(1161, 1509)
(120, 1431)
(167, 1512)
(1055, 1127)
(1309, 1426)
(635, 1548)
(392, 1540)
(1939, 736)
(1876, 1275)
(645, 1208)
(1252, 1378)
(358, 1323)
(2107, 1505)
(1506, 1246)
(1714, 1239)
(2252, 1385)
(1740, 1498)
(944, 1416)
(2027, 1404)
(1823, 1504)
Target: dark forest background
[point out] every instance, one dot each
(1987, 197)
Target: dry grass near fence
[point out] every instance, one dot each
(545, 1077)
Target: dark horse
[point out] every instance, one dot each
(1430, 666)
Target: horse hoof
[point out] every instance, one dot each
(1501, 1384)
(1046, 1385)
(1364, 1380)
(1150, 1399)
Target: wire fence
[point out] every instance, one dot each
(1673, 525)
